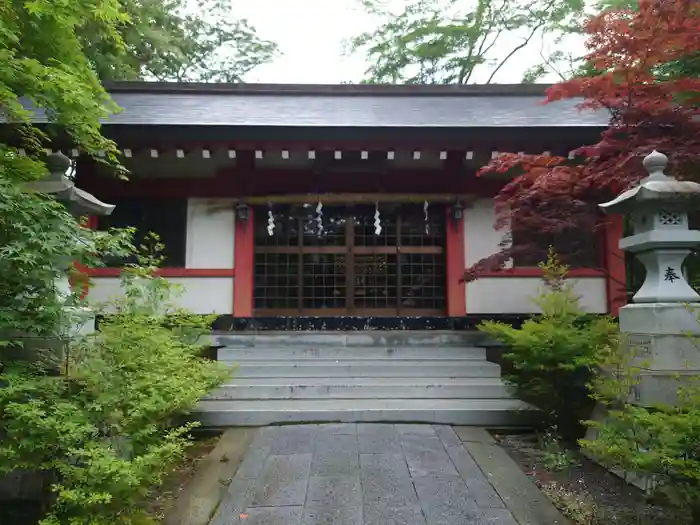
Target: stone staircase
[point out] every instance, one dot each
(398, 376)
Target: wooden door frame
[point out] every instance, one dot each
(351, 250)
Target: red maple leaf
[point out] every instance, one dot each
(648, 110)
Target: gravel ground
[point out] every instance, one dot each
(599, 496)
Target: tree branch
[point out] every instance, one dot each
(515, 50)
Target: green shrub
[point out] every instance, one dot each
(39, 240)
(659, 445)
(552, 356)
(111, 426)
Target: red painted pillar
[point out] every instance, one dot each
(455, 266)
(80, 278)
(243, 256)
(614, 261)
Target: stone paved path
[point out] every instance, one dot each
(360, 474)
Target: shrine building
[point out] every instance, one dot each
(336, 201)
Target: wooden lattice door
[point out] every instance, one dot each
(341, 266)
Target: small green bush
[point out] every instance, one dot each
(111, 425)
(553, 355)
(659, 445)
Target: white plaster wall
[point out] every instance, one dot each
(480, 237)
(202, 295)
(210, 233)
(513, 295)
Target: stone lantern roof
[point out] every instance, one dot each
(661, 238)
(63, 189)
(656, 189)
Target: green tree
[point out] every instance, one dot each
(42, 60)
(447, 41)
(553, 356)
(179, 40)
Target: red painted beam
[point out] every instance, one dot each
(167, 272)
(537, 272)
(242, 183)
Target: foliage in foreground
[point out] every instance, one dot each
(44, 64)
(554, 354)
(110, 426)
(659, 445)
(39, 241)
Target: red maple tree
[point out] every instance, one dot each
(556, 196)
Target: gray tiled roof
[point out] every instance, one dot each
(345, 106)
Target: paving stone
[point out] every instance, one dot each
(273, 516)
(239, 496)
(333, 500)
(336, 464)
(485, 495)
(445, 500)
(266, 435)
(388, 494)
(426, 455)
(524, 500)
(466, 466)
(385, 477)
(423, 430)
(392, 514)
(496, 517)
(252, 464)
(294, 440)
(336, 455)
(283, 481)
(474, 434)
(447, 435)
(336, 443)
(366, 474)
(479, 487)
(338, 428)
(383, 429)
(379, 443)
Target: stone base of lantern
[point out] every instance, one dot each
(645, 484)
(84, 321)
(50, 352)
(664, 343)
(664, 339)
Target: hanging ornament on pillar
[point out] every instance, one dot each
(377, 222)
(319, 218)
(270, 221)
(425, 218)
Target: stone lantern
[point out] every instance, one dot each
(23, 484)
(79, 203)
(660, 323)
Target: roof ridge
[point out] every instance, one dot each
(332, 89)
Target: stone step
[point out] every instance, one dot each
(485, 412)
(361, 338)
(362, 388)
(367, 353)
(362, 368)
